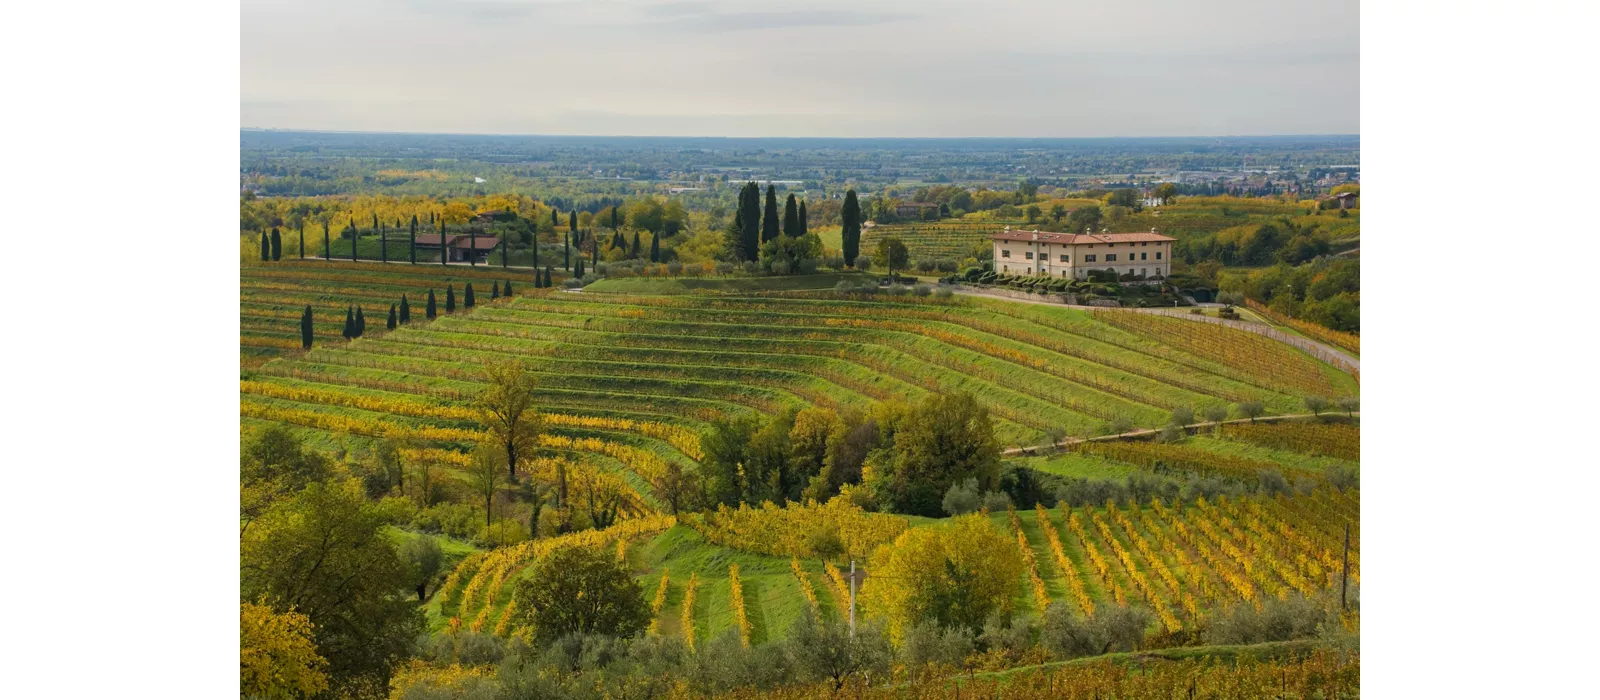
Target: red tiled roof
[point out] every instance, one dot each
(479, 242)
(1081, 238)
(427, 239)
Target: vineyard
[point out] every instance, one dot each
(950, 239)
(273, 295)
(627, 382)
(1348, 341)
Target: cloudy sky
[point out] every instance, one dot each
(1043, 68)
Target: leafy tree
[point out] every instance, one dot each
(506, 408)
(325, 554)
(1166, 192)
(941, 440)
(266, 248)
(850, 216)
(483, 474)
(275, 457)
(655, 248)
(1250, 409)
(955, 575)
(1057, 213)
(826, 650)
(405, 309)
(724, 445)
(433, 309)
(471, 300)
(426, 559)
(1215, 413)
(277, 657)
(892, 254)
(1350, 404)
(769, 217)
(962, 498)
(1032, 213)
(305, 329)
(1112, 628)
(578, 589)
(1316, 404)
(1084, 219)
(393, 317)
(450, 298)
(1125, 197)
(277, 245)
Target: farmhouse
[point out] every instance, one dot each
(460, 245)
(1073, 255)
(915, 209)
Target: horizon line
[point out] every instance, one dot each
(817, 138)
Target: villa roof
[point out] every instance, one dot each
(1081, 238)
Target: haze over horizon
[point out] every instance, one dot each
(710, 68)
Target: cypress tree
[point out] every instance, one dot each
(374, 220)
(413, 239)
(577, 268)
(655, 248)
(349, 323)
(326, 249)
(553, 221)
(594, 251)
(508, 288)
(791, 218)
(433, 309)
(803, 228)
(302, 239)
(277, 245)
(361, 323)
(850, 216)
(614, 223)
(266, 247)
(572, 223)
(566, 252)
(355, 239)
(547, 278)
(504, 251)
(393, 317)
(405, 309)
(750, 228)
(769, 216)
(494, 291)
(635, 252)
(450, 299)
(305, 329)
(471, 300)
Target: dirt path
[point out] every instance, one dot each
(1146, 432)
(1322, 351)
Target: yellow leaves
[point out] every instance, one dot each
(805, 583)
(688, 611)
(659, 601)
(277, 654)
(1074, 582)
(736, 597)
(503, 627)
(908, 578)
(841, 588)
(1041, 597)
(788, 530)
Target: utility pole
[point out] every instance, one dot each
(853, 594)
(1344, 578)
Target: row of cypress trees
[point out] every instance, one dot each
(755, 223)
(355, 321)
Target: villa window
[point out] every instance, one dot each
(1088, 258)
(1111, 257)
(1158, 255)
(1144, 256)
(1066, 258)
(1028, 255)
(1007, 253)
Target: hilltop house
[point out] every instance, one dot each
(1073, 255)
(916, 210)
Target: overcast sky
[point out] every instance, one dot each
(1043, 68)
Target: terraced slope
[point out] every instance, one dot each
(273, 295)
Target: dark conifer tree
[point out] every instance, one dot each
(505, 251)
(494, 291)
(433, 308)
(553, 221)
(266, 247)
(405, 309)
(508, 288)
(750, 221)
(413, 239)
(305, 329)
(850, 216)
(349, 323)
(394, 319)
(374, 220)
(361, 323)
(803, 228)
(355, 239)
(302, 239)
(444, 250)
(594, 251)
(769, 216)
(572, 224)
(634, 253)
(791, 217)
(655, 248)
(615, 220)
(383, 244)
(470, 300)
(277, 245)
(327, 250)
(547, 276)
(577, 268)
(450, 299)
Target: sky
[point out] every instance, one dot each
(868, 68)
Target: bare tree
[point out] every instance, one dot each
(506, 409)
(484, 475)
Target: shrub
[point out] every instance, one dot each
(996, 501)
(962, 497)
(725, 268)
(943, 292)
(780, 267)
(863, 262)
(922, 290)
(1113, 628)
(1294, 617)
(808, 266)
(926, 643)
(674, 268)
